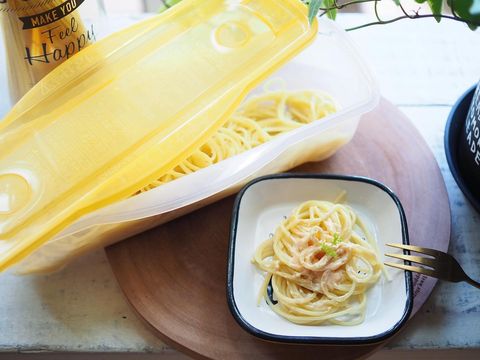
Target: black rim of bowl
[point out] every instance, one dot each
(315, 339)
(453, 129)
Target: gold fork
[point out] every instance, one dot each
(442, 266)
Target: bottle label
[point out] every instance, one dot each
(50, 16)
(60, 42)
(41, 34)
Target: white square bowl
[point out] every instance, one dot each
(261, 206)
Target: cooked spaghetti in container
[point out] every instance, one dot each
(329, 73)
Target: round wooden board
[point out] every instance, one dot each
(175, 275)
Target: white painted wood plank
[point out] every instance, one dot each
(419, 61)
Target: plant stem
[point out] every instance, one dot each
(377, 15)
(338, 7)
(416, 16)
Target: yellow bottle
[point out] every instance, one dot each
(116, 116)
(39, 35)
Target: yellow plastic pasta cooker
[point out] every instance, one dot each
(120, 113)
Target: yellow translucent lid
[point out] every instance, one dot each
(121, 112)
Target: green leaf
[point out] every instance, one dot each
(330, 4)
(337, 239)
(461, 8)
(327, 249)
(166, 4)
(162, 8)
(436, 7)
(475, 8)
(313, 8)
(170, 3)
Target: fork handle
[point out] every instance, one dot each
(472, 282)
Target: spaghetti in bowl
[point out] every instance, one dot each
(277, 219)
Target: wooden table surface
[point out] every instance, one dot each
(422, 67)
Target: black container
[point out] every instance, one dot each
(462, 144)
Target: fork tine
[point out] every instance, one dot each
(418, 249)
(416, 259)
(416, 269)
